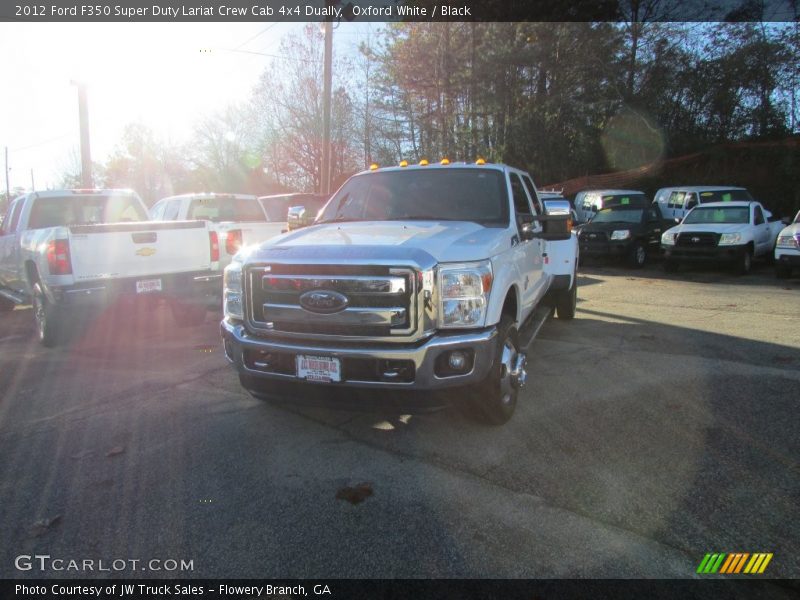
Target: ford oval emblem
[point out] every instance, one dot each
(323, 301)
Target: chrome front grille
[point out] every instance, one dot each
(380, 302)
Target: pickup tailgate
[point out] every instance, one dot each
(139, 249)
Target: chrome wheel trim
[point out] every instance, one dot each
(640, 255)
(39, 315)
(508, 361)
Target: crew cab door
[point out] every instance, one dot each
(761, 237)
(10, 248)
(528, 253)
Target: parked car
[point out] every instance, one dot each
(298, 210)
(787, 249)
(588, 202)
(681, 200)
(412, 278)
(731, 232)
(64, 250)
(623, 232)
(238, 219)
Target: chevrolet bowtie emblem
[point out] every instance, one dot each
(145, 252)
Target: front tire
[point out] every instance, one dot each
(48, 318)
(495, 398)
(745, 263)
(637, 256)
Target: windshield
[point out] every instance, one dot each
(84, 210)
(477, 195)
(608, 215)
(733, 214)
(219, 209)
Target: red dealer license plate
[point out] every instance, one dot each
(318, 368)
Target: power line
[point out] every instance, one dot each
(305, 60)
(260, 33)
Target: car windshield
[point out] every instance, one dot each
(612, 215)
(221, 208)
(458, 194)
(722, 215)
(84, 210)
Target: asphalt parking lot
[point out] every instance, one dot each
(659, 425)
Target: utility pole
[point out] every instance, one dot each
(86, 153)
(8, 187)
(325, 184)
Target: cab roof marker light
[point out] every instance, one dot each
(480, 161)
(403, 163)
(445, 161)
(373, 167)
(423, 162)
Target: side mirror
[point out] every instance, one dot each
(298, 217)
(554, 228)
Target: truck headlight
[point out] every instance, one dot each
(668, 239)
(788, 241)
(464, 292)
(621, 234)
(232, 291)
(729, 239)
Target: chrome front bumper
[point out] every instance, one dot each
(237, 341)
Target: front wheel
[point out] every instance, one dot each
(495, 398)
(637, 256)
(745, 262)
(47, 317)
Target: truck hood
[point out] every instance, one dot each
(445, 241)
(712, 227)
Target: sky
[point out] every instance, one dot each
(164, 75)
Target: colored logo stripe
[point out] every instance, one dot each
(734, 562)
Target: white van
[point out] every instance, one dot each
(588, 202)
(680, 200)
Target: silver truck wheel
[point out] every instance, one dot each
(46, 317)
(495, 398)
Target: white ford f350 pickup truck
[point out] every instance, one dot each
(416, 277)
(238, 219)
(727, 232)
(67, 249)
